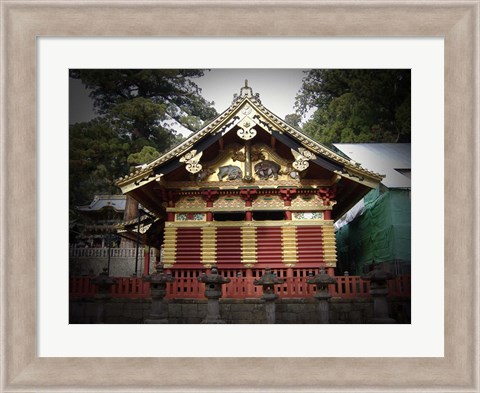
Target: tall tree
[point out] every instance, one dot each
(98, 156)
(139, 113)
(356, 105)
(293, 119)
(148, 105)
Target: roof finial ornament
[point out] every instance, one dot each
(246, 91)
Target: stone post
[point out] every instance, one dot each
(268, 282)
(213, 292)
(379, 291)
(322, 280)
(158, 289)
(104, 285)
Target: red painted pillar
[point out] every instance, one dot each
(169, 196)
(248, 195)
(327, 214)
(209, 213)
(287, 194)
(331, 271)
(209, 196)
(248, 213)
(146, 260)
(249, 281)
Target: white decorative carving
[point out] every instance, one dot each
(306, 153)
(301, 158)
(246, 131)
(191, 160)
(246, 110)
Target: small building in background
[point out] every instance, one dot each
(95, 243)
(97, 221)
(378, 228)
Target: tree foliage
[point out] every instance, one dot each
(146, 104)
(293, 119)
(138, 112)
(354, 106)
(97, 157)
(147, 154)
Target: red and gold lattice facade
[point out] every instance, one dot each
(303, 234)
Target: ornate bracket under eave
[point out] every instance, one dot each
(191, 160)
(302, 156)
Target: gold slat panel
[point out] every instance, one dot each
(249, 245)
(209, 246)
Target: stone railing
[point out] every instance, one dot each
(103, 252)
(123, 261)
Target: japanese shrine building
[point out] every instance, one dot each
(247, 191)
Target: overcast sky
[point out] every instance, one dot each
(277, 89)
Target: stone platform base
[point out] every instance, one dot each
(244, 311)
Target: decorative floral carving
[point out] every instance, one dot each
(256, 155)
(307, 201)
(190, 202)
(292, 172)
(246, 130)
(307, 215)
(233, 201)
(306, 153)
(302, 156)
(190, 217)
(246, 110)
(191, 160)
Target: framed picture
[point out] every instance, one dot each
(23, 369)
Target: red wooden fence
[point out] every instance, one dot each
(186, 286)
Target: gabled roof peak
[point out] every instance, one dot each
(246, 92)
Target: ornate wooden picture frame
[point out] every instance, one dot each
(24, 21)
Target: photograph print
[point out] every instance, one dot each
(239, 196)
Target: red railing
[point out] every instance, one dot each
(186, 286)
(126, 287)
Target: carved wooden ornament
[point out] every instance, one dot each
(246, 131)
(301, 158)
(191, 160)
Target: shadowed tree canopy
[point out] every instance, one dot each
(293, 119)
(139, 113)
(147, 154)
(356, 106)
(98, 155)
(147, 105)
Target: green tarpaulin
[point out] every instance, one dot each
(380, 234)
